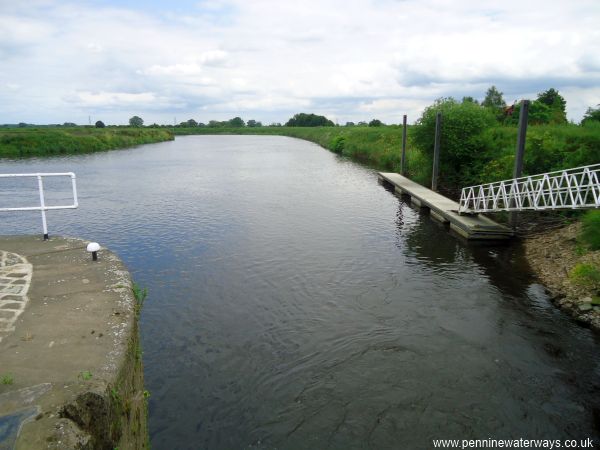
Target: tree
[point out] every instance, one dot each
(375, 123)
(349, 124)
(469, 99)
(556, 103)
(591, 115)
(236, 122)
(309, 120)
(463, 144)
(253, 123)
(136, 121)
(493, 99)
(539, 113)
(100, 124)
(192, 123)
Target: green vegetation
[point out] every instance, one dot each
(7, 379)
(309, 120)
(140, 297)
(592, 115)
(30, 141)
(85, 375)
(590, 233)
(586, 275)
(136, 122)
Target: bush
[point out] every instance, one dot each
(586, 275)
(590, 233)
(337, 144)
(463, 150)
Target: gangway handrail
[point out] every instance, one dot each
(43, 207)
(575, 188)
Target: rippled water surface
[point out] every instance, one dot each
(294, 303)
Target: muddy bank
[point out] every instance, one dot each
(552, 255)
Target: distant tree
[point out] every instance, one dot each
(191, 123)
(22, 124)
(253, 123)
(493, 99)
(362, 123)
(349, 124)
(236, 122)
(69, 124)
(539, 113)
(469, 99)
(309, 120)
(136, 121)
(556, 103)
(591, 115)
(100, 124)
(275, 124)
(375, 123)
(200, 124)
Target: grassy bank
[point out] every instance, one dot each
(377, 147)
(548, 147)
(24, 142)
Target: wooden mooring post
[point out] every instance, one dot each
(436, 151)
(403, 159)
(520, 152)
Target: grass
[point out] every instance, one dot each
(590, 232)
(585, 275)
(85, 375)
(376, 147)
(548, 148)
(140, 297)
(28, 142)
(7, 379)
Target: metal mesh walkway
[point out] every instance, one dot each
(577, 188)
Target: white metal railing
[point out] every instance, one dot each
(43, 207)
(576, 188)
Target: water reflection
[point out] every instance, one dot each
(294, 303)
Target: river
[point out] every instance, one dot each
(294, 303)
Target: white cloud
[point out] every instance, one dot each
(353, 59)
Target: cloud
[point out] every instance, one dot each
(352, 59)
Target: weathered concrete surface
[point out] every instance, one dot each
(445, 210)
(72, 351)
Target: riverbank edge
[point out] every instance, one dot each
(552, 255)
(104, 407)
(45, 142)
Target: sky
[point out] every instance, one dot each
(350, 60)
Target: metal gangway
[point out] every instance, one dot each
(577, 188)
(40, 185)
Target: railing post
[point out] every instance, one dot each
(403, 160)
(520, 151)
(436, 151)
(43, 206)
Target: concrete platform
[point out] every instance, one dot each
(445, 210)
(70, 363)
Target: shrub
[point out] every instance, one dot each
(337, 144)
(590, 233)
(463, 151)
(586, 275)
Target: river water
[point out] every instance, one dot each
(294, 303)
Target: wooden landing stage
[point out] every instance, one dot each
(446, 211)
